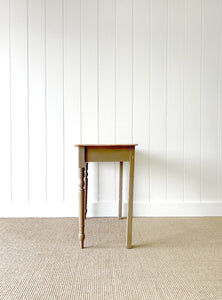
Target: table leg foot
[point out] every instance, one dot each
(81, 241)
(129, 246)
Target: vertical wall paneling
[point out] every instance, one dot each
(158, 101)
(71, 98)
(175, 100)
(209, 102)
(141, 65)
(89, 85)
(89, 71)
(54, 100)
(106, 90)
(111, 71)
(192, 101)
(19, 102)
(220, 102)
(36, 84)
(124, 71)
(124, 100)
(5, 154)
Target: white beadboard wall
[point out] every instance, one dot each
(111, 71)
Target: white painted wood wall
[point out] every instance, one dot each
(111, 71)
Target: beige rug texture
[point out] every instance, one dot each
(172, 258)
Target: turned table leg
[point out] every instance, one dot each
(130, 201)
(81, 208)
(120, 188)
(86, 188)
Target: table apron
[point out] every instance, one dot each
(107, 154)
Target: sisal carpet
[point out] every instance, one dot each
(172, 258)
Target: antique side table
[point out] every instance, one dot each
(105, 153)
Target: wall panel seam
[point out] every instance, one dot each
(10, 98)
(115, 90)
(219, 23)
(184, 96)
(98, 90)
(63, 99)
(28, 93)
(149, 84)
(201, 92)
(132, 29)
(80, 69)
(115, 62)
(98, 74)
(46, 128)
(166, 96)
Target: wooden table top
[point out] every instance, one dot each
(104, 145)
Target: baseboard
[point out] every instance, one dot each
(141, 209)
(178, 209)
(110, 209)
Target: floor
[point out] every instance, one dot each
(172, 258)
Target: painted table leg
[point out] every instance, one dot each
(86, 188)
(130, 202)
(81, 208)
(120, 188)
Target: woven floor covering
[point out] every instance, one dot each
(172, 258)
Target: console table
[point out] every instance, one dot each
(105, 153)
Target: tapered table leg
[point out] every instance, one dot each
(81, 208)
(130, 201)
(120, 188)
